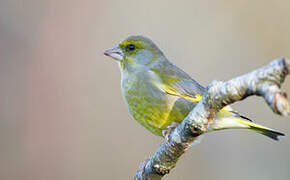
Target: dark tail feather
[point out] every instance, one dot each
(262, 130)
(269, 133)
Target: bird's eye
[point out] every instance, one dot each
(131, 47)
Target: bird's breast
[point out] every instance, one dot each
(149, 105)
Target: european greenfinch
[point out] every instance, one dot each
(158, 93)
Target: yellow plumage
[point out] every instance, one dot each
(158, 93)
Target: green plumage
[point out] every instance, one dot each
(158, 93)
(150, 106)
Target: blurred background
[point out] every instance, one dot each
(62, 116)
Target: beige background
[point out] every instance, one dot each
(62, 116)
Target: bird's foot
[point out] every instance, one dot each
(168, 131)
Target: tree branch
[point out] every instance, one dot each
(265, 82)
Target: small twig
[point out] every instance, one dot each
(265, 82)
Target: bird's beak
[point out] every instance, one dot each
(115, 53)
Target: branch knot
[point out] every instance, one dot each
(161, 170)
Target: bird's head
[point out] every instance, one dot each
(135, 52)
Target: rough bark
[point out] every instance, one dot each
(265, 82)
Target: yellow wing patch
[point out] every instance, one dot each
(196, 97)
(172, 91)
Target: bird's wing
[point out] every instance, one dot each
(182, 89)
(176, 82)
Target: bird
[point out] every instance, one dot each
(159, 95)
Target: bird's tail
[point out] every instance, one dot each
(238, 121)
(261, 129)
